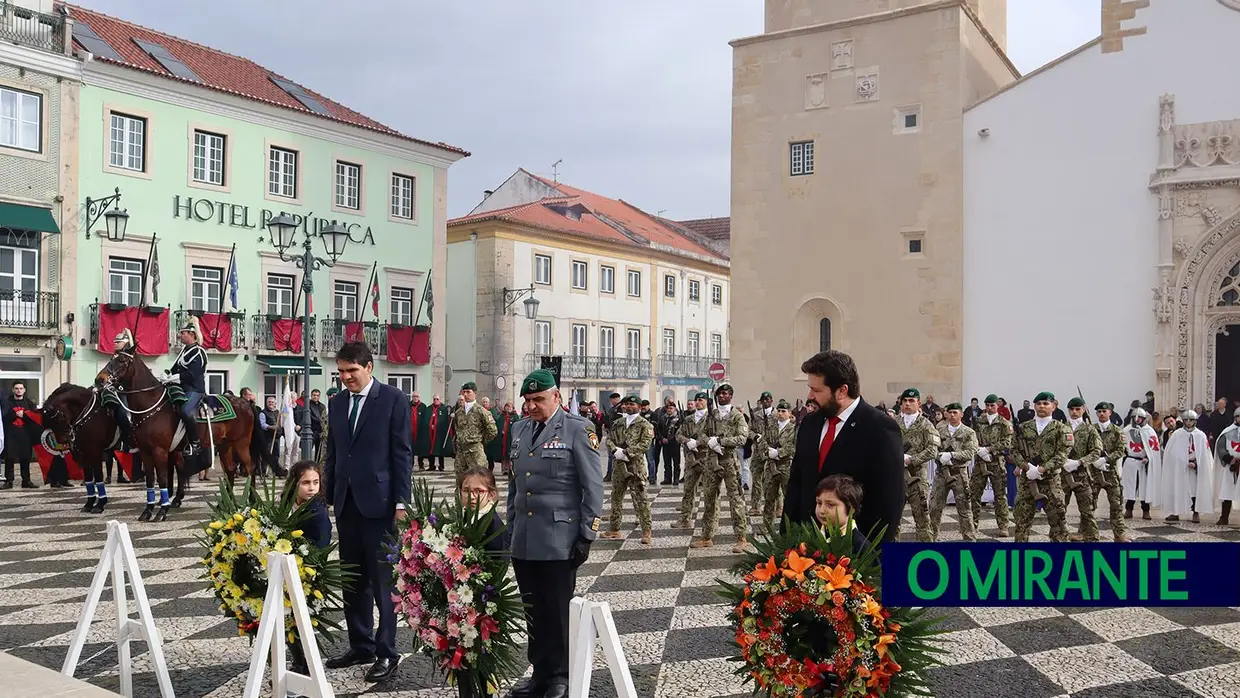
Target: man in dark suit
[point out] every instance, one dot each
(367, 477)
(846, 436)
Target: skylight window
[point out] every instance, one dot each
(84, 35)
(171, 63)
(296, 92)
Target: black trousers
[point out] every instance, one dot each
(671, 462)
(25, 468)
(547, 586)
(365, 543)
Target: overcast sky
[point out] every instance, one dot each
(633, 95)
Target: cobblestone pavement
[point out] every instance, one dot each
(672, 628)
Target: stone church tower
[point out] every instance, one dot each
(847, 196)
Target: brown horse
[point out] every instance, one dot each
(155, 422)
(78, 421)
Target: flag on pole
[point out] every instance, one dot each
(152, 273)
(233, 284)
(374, 291)
(574, 405)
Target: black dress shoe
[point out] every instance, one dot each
(556, 690)
(529, 688)
(382, 670)
(351, 658)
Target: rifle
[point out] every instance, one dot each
(448, 432)
(1033, 484)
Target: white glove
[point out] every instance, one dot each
(1071, 465)
(984, 453)
(1102, 465)
(945, 458)
(772, 452)
(907, 460)
(717, 449)
(713, 442)
(1032, 472)
(691, 444)
(620, 455)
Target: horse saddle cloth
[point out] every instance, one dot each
(216, 406)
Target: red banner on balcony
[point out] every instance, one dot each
(286, 335)
(216, 331)
(409, 345)
(353, 332)
(150, 330)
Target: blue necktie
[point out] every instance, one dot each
(353, 410)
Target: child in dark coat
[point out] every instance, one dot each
(303, 489)
(835, 499)
(478, 487)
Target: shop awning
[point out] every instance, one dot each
(17, 217)
(286, 365)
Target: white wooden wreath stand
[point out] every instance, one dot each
(281, 574)
(590, 622)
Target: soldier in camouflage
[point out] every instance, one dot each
(957, 447)
(692, 436)
(631, 436)
(1077, 477)
(726, 432)
(1106, 469)
(1041, 447)
(760, 421)
(921, 444)
(994, 438)
(778, 445)
(474, 427)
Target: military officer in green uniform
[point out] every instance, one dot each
(994, 438)
(1106, 469)
(473, 427)
(554, 504)
(760, 421)
(1077, 478)
(778, 446)
(1040, 449)
(631, 436)
(958, 446)
(726, 432)
(921, 444)
(692, 436)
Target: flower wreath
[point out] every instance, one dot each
(808, 621)
(457, 596)
(238, 539)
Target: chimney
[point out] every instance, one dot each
(487, 193)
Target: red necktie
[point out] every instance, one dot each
(829, 438)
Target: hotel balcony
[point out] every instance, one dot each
(271, 333)
(335, 332)
(596, 367)
(212, 326)
(27, 27)
(30, 311)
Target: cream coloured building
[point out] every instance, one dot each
(631, 302)
(847, 187)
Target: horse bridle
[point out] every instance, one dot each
(91, 410)
(111, 384)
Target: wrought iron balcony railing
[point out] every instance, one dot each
(26, 27)
(679, 366)
(235, 320)
(30, 310)
(335, 330)
(596, 367)
(263, 339)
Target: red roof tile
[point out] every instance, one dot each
(713, 228)
(219, 71)
(593, 224)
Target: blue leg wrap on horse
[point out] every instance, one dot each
(163, 496)
(101, 491)
(150, 495)
(90, 489)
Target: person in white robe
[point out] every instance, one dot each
(292, 441)
(1187, 472)
(1142, 465)
(1227, 467)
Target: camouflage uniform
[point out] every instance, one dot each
(1113, 451)
(732, 430)
(1050, 449)
(921, 444)
(1086, 448)
(961, 445)
(777, 469)
(630, 475)
(759, 424)
(473, 430)
(996, 437)
(695, 462)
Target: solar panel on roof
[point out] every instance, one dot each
(298, 93)
(84, 35)
(171, 63)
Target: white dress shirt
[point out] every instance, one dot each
(365, 392)
(843, 415)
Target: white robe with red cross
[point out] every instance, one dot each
(1226, 484)
(1187, 473)
(1141, 482)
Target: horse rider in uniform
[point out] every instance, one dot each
(124, 343)
(190, 372)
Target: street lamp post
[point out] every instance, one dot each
(115, 219)
(511, 296)
(283, 230)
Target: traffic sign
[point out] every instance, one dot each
(716, 371)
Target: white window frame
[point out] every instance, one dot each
(400, 305)
(14, 124)
(348, 185)
(209, 157)
(220, 377)
(695, 291)
(282, 164)
(542, 337)
(634, 278)
(580, 274)
(404, 196)
(279, 295)
(716, 294)
(606, 279)
(21, 281)
(130, 273)
(127, 142)
(206, 286)
(407, 383)
(633, 343)
(542, 269)
(691, 343)
(580, 341)
(900, 119)
(669, 341)
(345, 300)
(669, 285)
(801, 158)
(607, 342)
(716, 346)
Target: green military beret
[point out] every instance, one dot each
(910, 393)
(765, 394)
(954, 406)
(992, 399)
(1076, 402)
(630, 398)
(783, 405)
(470, 385)
(645, 403)
(537, 382)
(723, 387)
(701, 396)
(1104, 406)
(332, 391)
(1044, 396)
